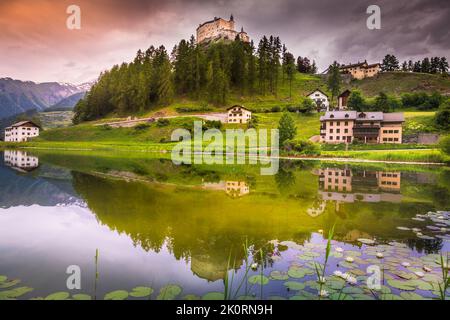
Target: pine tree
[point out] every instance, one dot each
(334, 81)
(290, 70)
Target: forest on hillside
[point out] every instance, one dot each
(154, 78)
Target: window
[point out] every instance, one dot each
(331, 123)
(331, 130)
(338, 137)
(338, 130)
(345, 130)
(395, 139)
(338, 123)
(346, 123)
(331, 138)
(395, 131)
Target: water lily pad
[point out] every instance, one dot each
(296, 272)
(14, 293)
(258, 279)
(293, 285)
(347, 265)
(246, 298)
(140, 292)
(366, 241)
(116, 295)
(411, 296)
(390, 296)
(340, 296)
(58, 296)
(305, 257)
(361, 296)
(402, 285)
(279, 275)
(169, 292)
(213, 296)
(9, 284)
(81, 296)
(191, 297)
(352, 290)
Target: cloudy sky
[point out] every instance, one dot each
(36, 45)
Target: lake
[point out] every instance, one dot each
(199, 231)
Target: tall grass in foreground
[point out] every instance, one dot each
(445, 285)
(229, 282)
(320, 270)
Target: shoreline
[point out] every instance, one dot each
(282, 157)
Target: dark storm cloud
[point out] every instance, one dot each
(113, 30)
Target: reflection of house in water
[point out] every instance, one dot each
(345, 185)
(317, 209)
(234, 189)
(20, 160)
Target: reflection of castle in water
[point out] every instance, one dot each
(344, 185)
(20, 160)
(235, 189)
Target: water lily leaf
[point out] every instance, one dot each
(336, 254)
(258, 279)
(214, 296)
(58, 296)
(246, 298)
(14, 293)
(296, 272)
(366, 241)
(352, 290)
(169, 292)
(299, 297)
(340, 296)
(360, 296)
(140, 292)
(81, 296)
(293, 285)
(336, 284)
(390, 296)
(191, 297)
(312, 254)
(116, 295)
(357, 272)
(353, 253)
(347, 265)
(402, 285)
(279, 275)
(9, 284)
(305, 257)
(312, 284)
(383, 289)
(411, 296)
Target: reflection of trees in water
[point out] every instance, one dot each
(185, 220)
(424, 245)
(285, 180)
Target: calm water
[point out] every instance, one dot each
(155, 224)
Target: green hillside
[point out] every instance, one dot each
(396, 83)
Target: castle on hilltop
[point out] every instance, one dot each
(220, 29)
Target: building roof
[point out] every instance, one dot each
(394, 117)
(353, 65)
(211, 21)
(363, 116)
(236, 105)
(372, 116)
(21, 123)
(315, 91)
(338, 115)
(345, 93)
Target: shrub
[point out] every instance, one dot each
(253, 123)
(162, 122)
(444, 144)
(141, 126)
(276, 109)
(442, 117)
(305, 147)
(308, 105)
(213, 124)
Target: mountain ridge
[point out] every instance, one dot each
(17, 96)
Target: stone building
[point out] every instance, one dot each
(220, 29)
(366, 127)
(361, 70)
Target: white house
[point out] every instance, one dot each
(321, 99)
(238, 114)
(21, 131)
